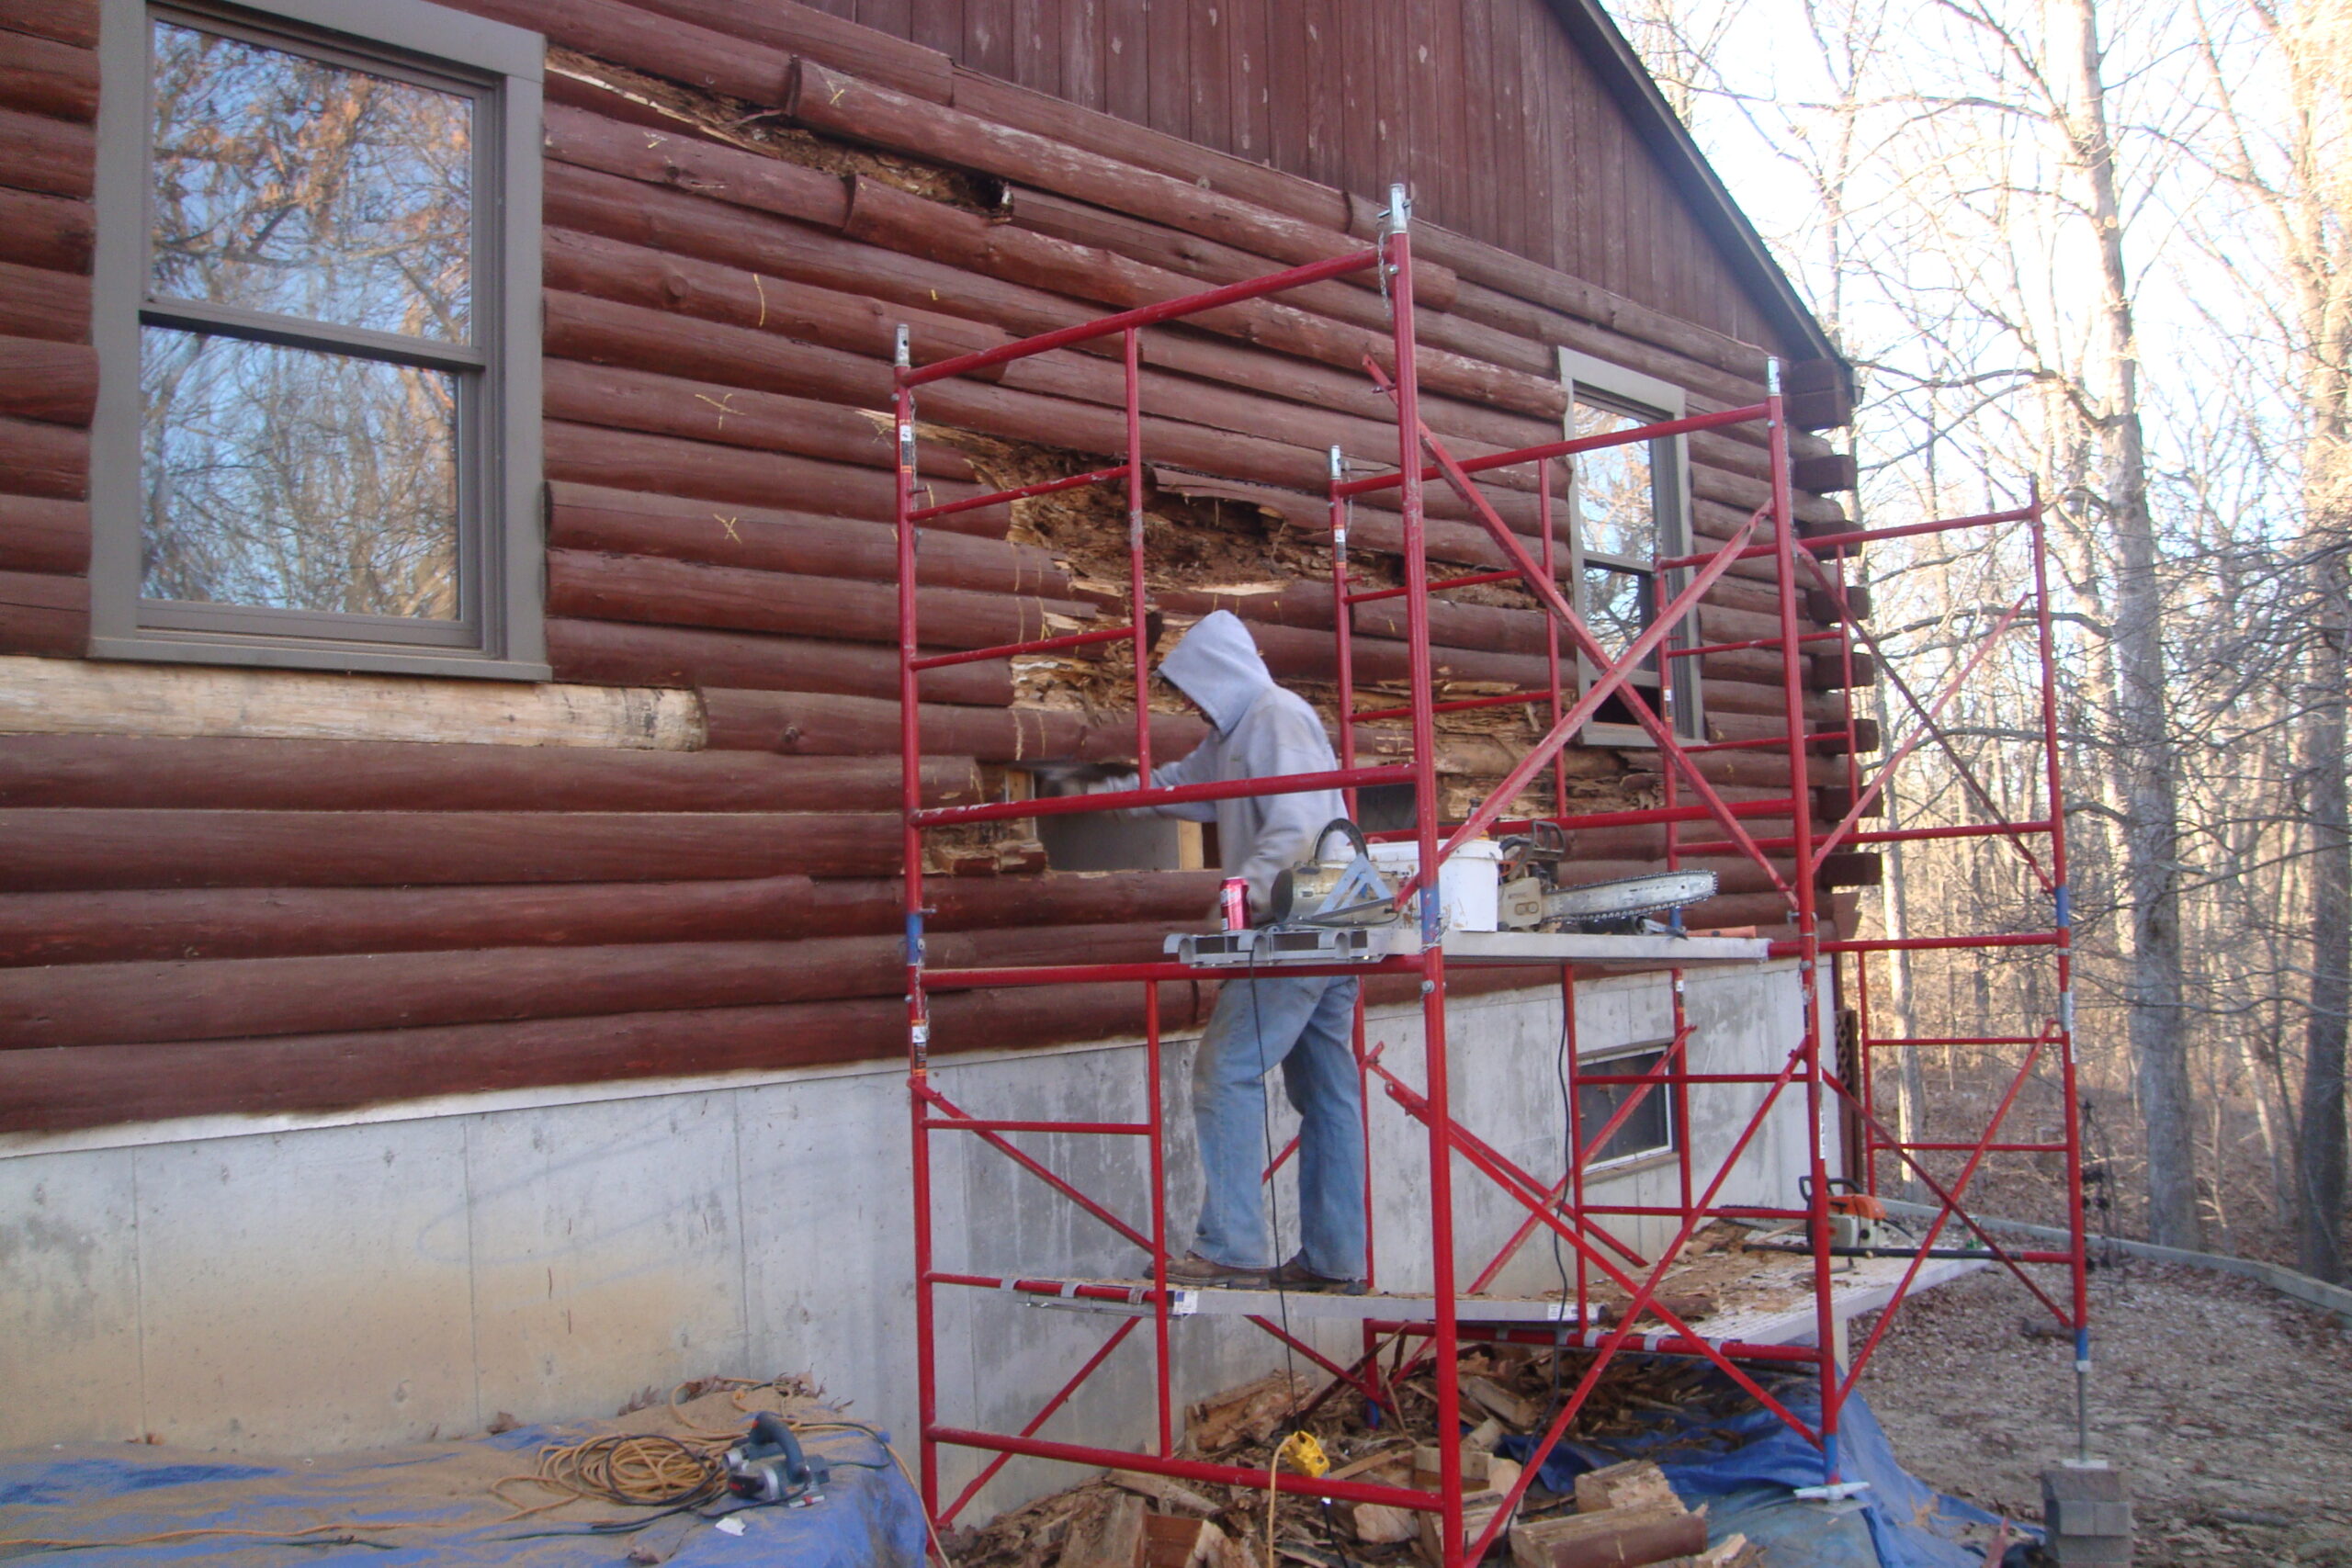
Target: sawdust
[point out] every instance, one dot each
(2227, 1406)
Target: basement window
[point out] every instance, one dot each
(1648, 1131)
(318, 284)
(1630, 506)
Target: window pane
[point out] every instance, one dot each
(1615, 502)
(297, 480)
(288, 185)
(1617, 605)
(1648, 1128)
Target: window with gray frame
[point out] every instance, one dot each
(1630, 509)
(318, 286)
(1647, 1131)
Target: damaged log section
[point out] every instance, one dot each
(741, 206)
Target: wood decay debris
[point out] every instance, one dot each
(1620, 1516)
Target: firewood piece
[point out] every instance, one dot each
(1479, 1509)
(1250, 1411)
(1110, 1535)
(1637, 1483)
(1376, 1524)
(1173, 1542)
(1168, 1493)
(1500, 1403)
(1620, 1538)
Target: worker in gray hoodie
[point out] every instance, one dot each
(1303, 1023)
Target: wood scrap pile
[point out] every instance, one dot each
(1627, 1515)
(1130, 1520)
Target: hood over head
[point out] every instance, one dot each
(1218, 666)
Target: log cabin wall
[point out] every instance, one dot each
(248, 892)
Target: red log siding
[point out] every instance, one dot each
(715, 320)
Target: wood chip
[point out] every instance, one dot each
(1159, 1489)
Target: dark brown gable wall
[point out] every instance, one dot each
(1506, 132)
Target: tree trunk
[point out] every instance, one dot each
(2152, 831)
(2320, 1151)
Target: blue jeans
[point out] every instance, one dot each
(1307, 1024)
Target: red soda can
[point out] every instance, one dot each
(1236, 903)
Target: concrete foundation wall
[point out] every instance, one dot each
(415, 1272)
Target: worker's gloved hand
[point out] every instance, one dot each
(1114, 783)
(1063, 778)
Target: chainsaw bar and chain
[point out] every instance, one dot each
(1629, 897)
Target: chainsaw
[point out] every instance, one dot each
(1346, 890)
(1532, 899)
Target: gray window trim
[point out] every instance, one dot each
(501, 634)
(1643, 397)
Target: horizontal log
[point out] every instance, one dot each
(815, 725)
(52, 696)
(116, 1004)
(1820, 394)
(1725, 695)
(46, 536)
(43, 76)
(37, 458)
(1831, 672)
(1506, 312)
(622, 399)
(53, 232)
(1288, 446)
(53, 381)
(1830, 471)
(279, 922)
(803, 30)
(38, 302)
(613, 652)
(732, 174)
(900, 220)
(1830, 608)
(1376, 532)
(632, 275)
(62, 849)
(133, 771)
(584, 517)
(64, 21)
(1294, 653)
(55, 157)
(1533, 281)
(42, 614)
(683, 593)
(661, 46)
(104, 1085)
(627, 459)
(842, 104)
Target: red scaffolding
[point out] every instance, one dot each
(1834, 1097)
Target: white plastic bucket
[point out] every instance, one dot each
(1469, 884)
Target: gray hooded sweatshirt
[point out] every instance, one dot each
(1260, 731)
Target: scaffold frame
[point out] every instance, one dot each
(1688, 802)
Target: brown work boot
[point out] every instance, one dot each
(1295, 1275)
(1193, 1270)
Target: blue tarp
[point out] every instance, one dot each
(869, 1517)
(1720, 1447)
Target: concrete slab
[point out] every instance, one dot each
(69, 1318)
(607, 1255)
(307, 1290)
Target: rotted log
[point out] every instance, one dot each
(53, 232)
(38, 153)
(216, 774)
(655, 280)
(40, 303)
(38, 534)
(44, 614)
(618, 653)
(1294, 654)
(584, 517)
(626, 460)
(117, 1004)
(43, 76)
(842, 104)
(622, 399)
(63, 850)
(96, 1085)
(810, 724)
(732, 174)
(279, 922)
(684, 593)
(57, 382)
